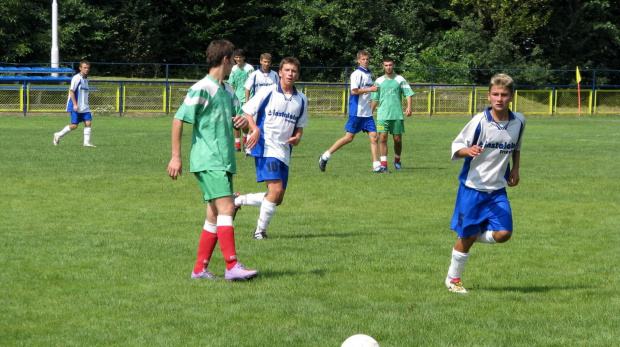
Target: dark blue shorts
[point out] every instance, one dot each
(271, 169)
(356, 124)
(77, 118)
(475, 211)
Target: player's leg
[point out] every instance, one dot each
(469, 214)
(275, 175)
(498, 229)
(383, 148)
(398, 129)
(217, 189)
(206, 245)
(323, 158)
(87, 117)
(67, 129)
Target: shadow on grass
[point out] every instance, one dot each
(309, 273)
(311, 236)
(530, 289)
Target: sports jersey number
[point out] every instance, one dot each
(272, 167)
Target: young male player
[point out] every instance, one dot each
(238, 75)
(482, 211)
(77, 104)
(360, 116)
(261, 78)
(390, 114)
(209, 106)
(276, 116)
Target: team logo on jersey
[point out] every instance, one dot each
(505, 148)
(289, 117)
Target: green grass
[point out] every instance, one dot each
(97, 244)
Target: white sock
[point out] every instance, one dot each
(267, 209)
(87, 135)
(376, 164)
(486, 237)
(253, 199)
(326, 155)
(457, 264)
(383, 158)
(210, 227)
(64, 131)
(237, 140)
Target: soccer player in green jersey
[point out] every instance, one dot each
(209, 106)
(238, 75)
(390, 120)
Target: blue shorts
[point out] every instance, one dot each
(80, 117)
(475, 210)
(356, 124)
(271, 169)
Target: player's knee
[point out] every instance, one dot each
(502, 236)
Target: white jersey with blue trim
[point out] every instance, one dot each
(79, 85)
(277, 115)
(259, 80)
(489, 171)
(359, 105)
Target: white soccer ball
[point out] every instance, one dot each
(360, 340)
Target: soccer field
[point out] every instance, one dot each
(97, 244)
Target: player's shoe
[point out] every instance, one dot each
(237, 208)
(206, 274)
(381, 169)
(56, 139)
(88, 144)
(455, 285)
(398, 166)
(322, 163)
(260, 234)
(238, 272)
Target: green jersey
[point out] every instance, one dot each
(390, 96)
(209, 106)
(237, 78)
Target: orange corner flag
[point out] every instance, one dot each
(578, 75)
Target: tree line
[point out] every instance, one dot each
(463, 36)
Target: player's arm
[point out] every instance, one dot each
(359, 91)
(373, 105)
(408, 109)
(253, 133)
(74, 100)
(247, 95)
(513, 176)
(296, 138)
(175, 165)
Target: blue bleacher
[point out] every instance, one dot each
(26, 73)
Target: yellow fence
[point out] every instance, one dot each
(328, 99)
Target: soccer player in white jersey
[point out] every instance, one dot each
(238, 75)
(77, 104)
(360, 115)
(488, 142)
(392, 87)
(277, 116)
(259, 79)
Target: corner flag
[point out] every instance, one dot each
(578, 75)
(578, 90)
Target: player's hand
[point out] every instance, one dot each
(75, 108)
(252, 140)
(374, 89)
(513, 178)
(239, 122)
(474, 151)
(408, 111)
(174, 168)
(293, 141)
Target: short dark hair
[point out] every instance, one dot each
(239, 53)
(82, 62)
(217, 50)
(388, 60)
(290, 60)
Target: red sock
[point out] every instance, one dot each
(384, 163)
(238, 145)
(245, 139)
(397, 159)
(205, 250)
(226, 235)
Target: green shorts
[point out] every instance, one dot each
(215, 184)
(395, 127)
